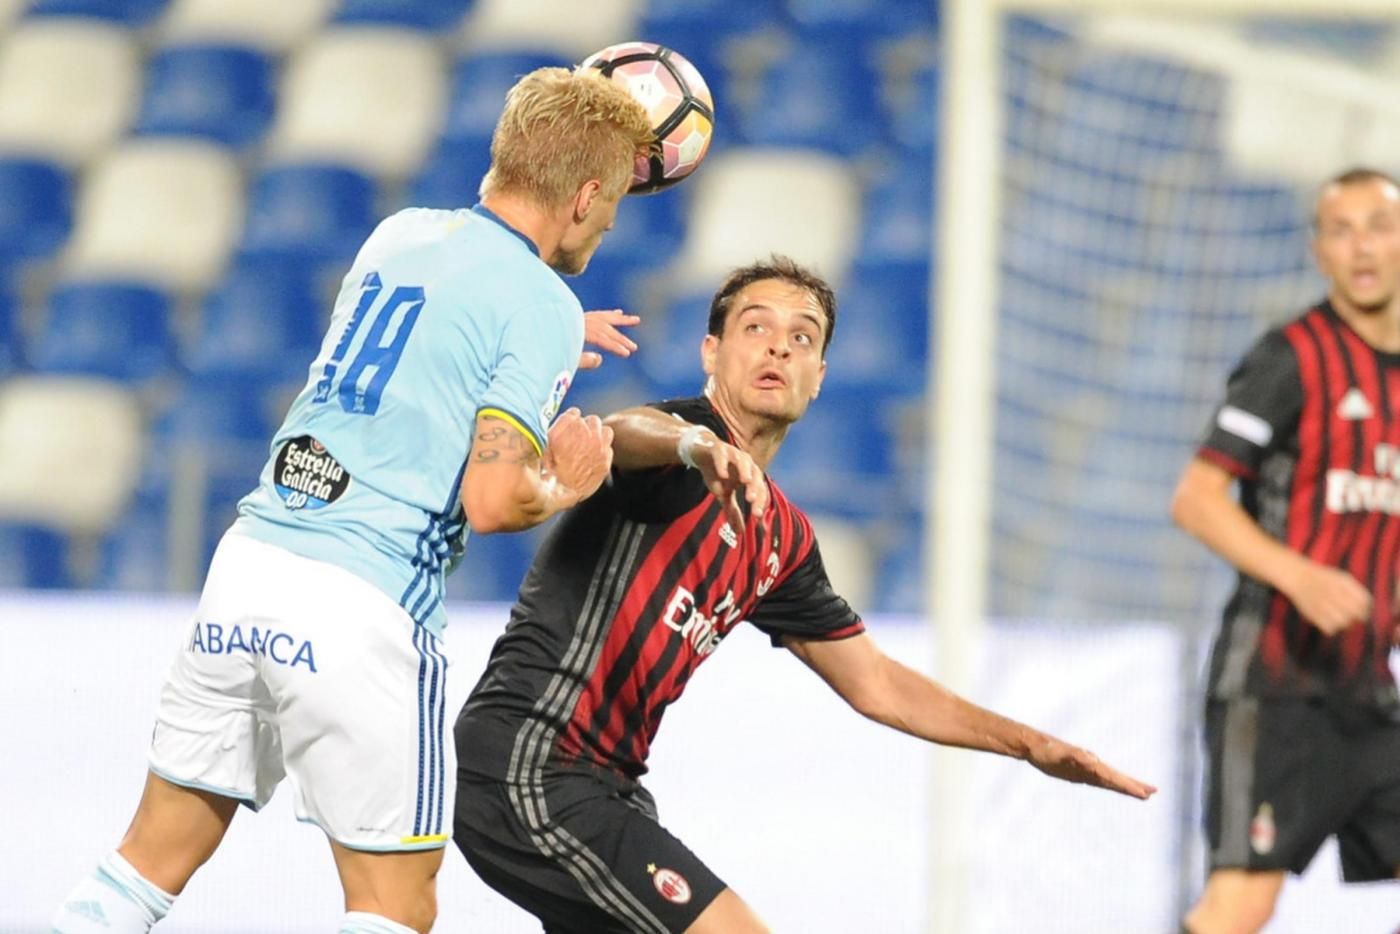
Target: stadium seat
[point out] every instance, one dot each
(479, 84)
(747, 203)
(135, 554)
(221, 411)
(36, 209)
(115, 330)
(549, 24)
(416, 14)
(451, 176)
(68, 87)
(911, 113)
(882, 335)
(9, 329)
(275, 26)
(72, 451)
(129, 13)
(897, 219)
(669, 343)
(846, 554)
(311, 212)
(223, 93)
(162, 210)
(858, 23)
(264, 321)
(900, 574)
(818, 98)
(33, 557)
(9, 9)
(362, 96)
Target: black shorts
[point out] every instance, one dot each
(580, 854)
(1283, 775)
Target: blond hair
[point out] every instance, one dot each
(561, 128)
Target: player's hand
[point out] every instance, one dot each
(580, 454)
(1328, 597)
(600, 329)
(731, 474)
(1071, 764)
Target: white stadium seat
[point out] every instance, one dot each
(550, 25)
(166, 211)
(746, 204)
(68, 87)
(849, 557)
(367, 97)
(9, 9)
(270, 25)
(72, 451)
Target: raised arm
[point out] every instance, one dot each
(1329, 598)
(510, 485)
(644, 437)
(882, 689)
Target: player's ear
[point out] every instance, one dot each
(584, 198)
(709, 347)
(821, 375)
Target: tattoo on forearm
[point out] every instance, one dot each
(506, 445)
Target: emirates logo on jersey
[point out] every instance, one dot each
(1349, 491)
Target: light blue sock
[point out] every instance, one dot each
(113, 900)
(362, 922)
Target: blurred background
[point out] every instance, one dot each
(183, 182)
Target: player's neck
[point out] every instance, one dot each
(1380, 328)
(528, 219)
(755, 435)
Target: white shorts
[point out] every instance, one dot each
(297, 667)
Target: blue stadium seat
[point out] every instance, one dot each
(897, 218)
(36, 209)
(227, 480)
(9, 329)
(122, 12)
(116, 330)
(224, 93)
(859, 22)
(312, 213)
(816, 99)
(882, 336)
(263, 321)
(415, 14)
(900, 574)
(134, 555)
(478, 90)
(452, 175)
(669, 342)
(912, 114)
(33, 556)
(217, 412)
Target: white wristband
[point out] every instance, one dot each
(685, 447)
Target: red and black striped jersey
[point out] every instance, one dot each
(628, 594)
(1311, 427)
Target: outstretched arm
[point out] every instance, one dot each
(645, 437)
(509, 485)
(882, 689)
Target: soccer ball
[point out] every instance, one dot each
(677, 101)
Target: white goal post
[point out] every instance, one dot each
(968, 251)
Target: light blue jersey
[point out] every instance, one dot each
(444, 315)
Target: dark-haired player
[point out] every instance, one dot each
(632, 591)
(1301, 720)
